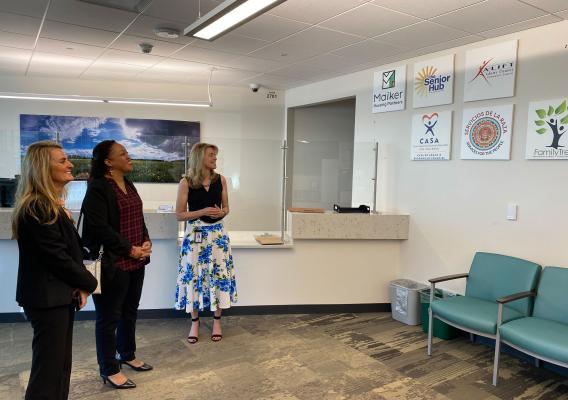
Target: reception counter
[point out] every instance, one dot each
(323, 263)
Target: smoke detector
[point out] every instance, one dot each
(167, 33)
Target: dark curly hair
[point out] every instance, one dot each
(100, 154)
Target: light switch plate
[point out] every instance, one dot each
(511, 212)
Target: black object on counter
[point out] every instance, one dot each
(7, 192)
(362, 209)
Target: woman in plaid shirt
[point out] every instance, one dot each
(114, 218)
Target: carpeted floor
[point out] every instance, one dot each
(289, 357)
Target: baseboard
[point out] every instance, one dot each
(164, 313)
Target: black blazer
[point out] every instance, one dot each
(51, 263)
(102, 224)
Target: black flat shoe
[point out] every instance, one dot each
(126, 385)
(144, 367)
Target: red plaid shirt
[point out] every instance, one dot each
(131, 223)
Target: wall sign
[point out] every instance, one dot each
(547, 123)
(433, 82)
(490, 72)
(486, 133)
(431, 136)
(389, 89)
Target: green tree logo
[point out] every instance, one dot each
(555, 121)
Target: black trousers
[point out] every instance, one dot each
(51, 352)
(117, 310)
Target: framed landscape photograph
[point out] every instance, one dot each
(157, 147)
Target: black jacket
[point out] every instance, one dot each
(51, 263)
(102, 224)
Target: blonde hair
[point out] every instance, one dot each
(37, 195)
(194, 173)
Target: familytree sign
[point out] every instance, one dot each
(547, 123)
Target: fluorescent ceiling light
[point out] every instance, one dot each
(75, 98)
(227, 16)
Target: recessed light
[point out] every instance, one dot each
(304, 141)
(167, 33)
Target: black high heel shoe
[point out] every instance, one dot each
(194, 339)
(216, 337)
(143, 368)
(126, 385)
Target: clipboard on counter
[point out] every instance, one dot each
(267, 239)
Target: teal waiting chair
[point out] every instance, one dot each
(544, 335)
(491, 276)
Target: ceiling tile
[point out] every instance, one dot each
(32, 8)
(451, 44)
(230, 76)
(68, 48)
(254, 64)
(332, 62)
(131, 43)
(19, 24)
(521, 26)
(180, 10)
(420, 35)
(302, 72)
(13, 61)
(208, 56)
(16, 40)
(306, 44)
(103, 69)
(270, 81)
(270, 27)
(549, 5)
(126, 57)
(76, 34)
(314, 11)
(369, 21)
(44, 64)
(232, 43)
(145, 25)
(488, 15)
(368, 50)
(185, 67)
(425, 9)
(89, 15)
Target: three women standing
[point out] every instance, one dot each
(113, 217)
(206, 277)
(52, 281)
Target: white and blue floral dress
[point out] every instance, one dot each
(206, 274)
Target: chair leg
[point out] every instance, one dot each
(496, 358)
(537, 362)
(471, 337)
(430, 329)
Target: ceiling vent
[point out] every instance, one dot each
(128, 5)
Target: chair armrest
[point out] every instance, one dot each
(448, 278)
(516, 296)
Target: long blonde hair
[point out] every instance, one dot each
(194, 173)
(37, 195)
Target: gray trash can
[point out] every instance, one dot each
(405, 300)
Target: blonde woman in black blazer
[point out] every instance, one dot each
(52, 281)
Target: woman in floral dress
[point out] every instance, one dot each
(206, 277)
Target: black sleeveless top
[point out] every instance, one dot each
(200, 198)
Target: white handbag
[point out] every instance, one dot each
(93, 266)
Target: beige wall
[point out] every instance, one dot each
(458, 207)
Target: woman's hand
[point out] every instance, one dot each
(139, 252)
(213, 212)
(81, 296)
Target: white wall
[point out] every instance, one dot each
(322, 169)
(458, 207)
(247, 127)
